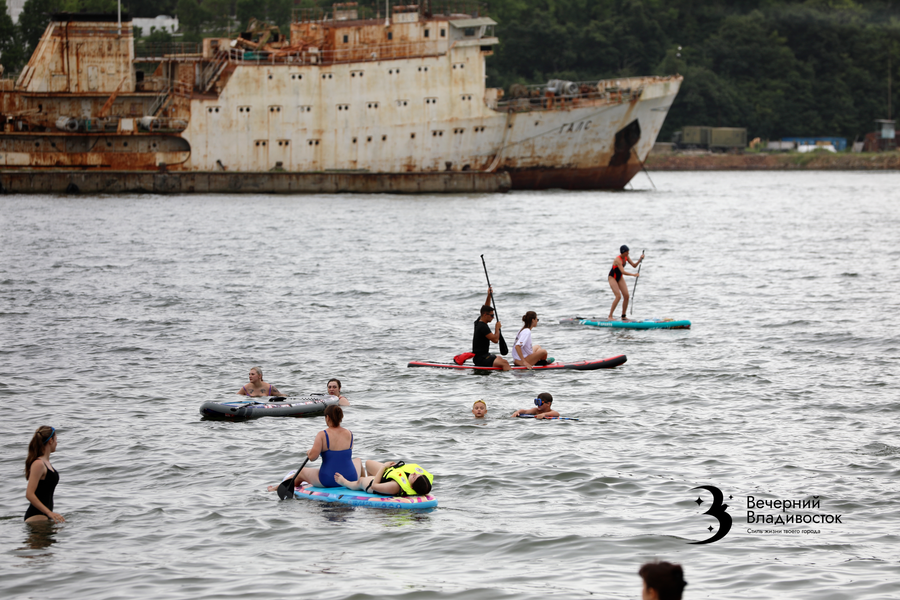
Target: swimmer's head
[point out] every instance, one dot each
(258, 371)
(334, 388)
(543, 398)
(623, 249)
(479, 409)
(421, 485)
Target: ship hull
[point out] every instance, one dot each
(399, 104)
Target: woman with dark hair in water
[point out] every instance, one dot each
(42, 477)
(334, 389)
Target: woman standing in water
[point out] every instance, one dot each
(257, 387)
(617, 283)
(41, 476)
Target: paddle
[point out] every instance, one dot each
(504, 349)
(286, 487)
(634, 291)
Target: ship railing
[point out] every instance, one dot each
(173, 51)
(212, 70)
(556, 94)
(356, 11)
(331, 56)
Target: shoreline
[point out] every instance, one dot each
(787, 161)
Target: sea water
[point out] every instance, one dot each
(122, 314)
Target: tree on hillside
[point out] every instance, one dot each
(11, 55)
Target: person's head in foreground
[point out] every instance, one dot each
(662, 581)
(479, 409)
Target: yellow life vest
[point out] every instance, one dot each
(400, 473)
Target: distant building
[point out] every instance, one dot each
(840, 144)
(15, 9)
(160, 23)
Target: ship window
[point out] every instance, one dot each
(427, 33)
(390, 35)
(354, 140)
(125, 144)
(270, 76)
(384, 138)
(286, 142)
(469, 31)
(412, 136)
(369, 139)
(443, 33)
(346, 39)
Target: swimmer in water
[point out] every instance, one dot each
(479, 409)
(257, 387)
(334, 389)
(542, 408)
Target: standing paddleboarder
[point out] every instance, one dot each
(482, 339)
(617, 282)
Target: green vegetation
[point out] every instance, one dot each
(776, 67)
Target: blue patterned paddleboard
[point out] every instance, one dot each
(629, 323)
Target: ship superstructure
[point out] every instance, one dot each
(402, 92)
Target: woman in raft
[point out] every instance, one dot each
(42, 478)
(335, 445)
(391, 479)
(257, 387)
(617, 283)
(334, 389)
(524, 355)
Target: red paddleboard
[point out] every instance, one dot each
(582, 365)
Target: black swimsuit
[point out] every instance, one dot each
(44, 493)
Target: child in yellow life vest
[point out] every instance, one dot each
(542, 408)
(391, 479)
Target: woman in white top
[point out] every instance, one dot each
(524, 355)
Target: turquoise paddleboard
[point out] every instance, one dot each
(629, 323)
(356, 498)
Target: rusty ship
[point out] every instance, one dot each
(395, 99)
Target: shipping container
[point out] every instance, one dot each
(728, 138)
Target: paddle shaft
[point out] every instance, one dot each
(504, 349)
(634, 291)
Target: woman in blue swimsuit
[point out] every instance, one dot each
(335, 445)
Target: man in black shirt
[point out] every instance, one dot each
(481, 341)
